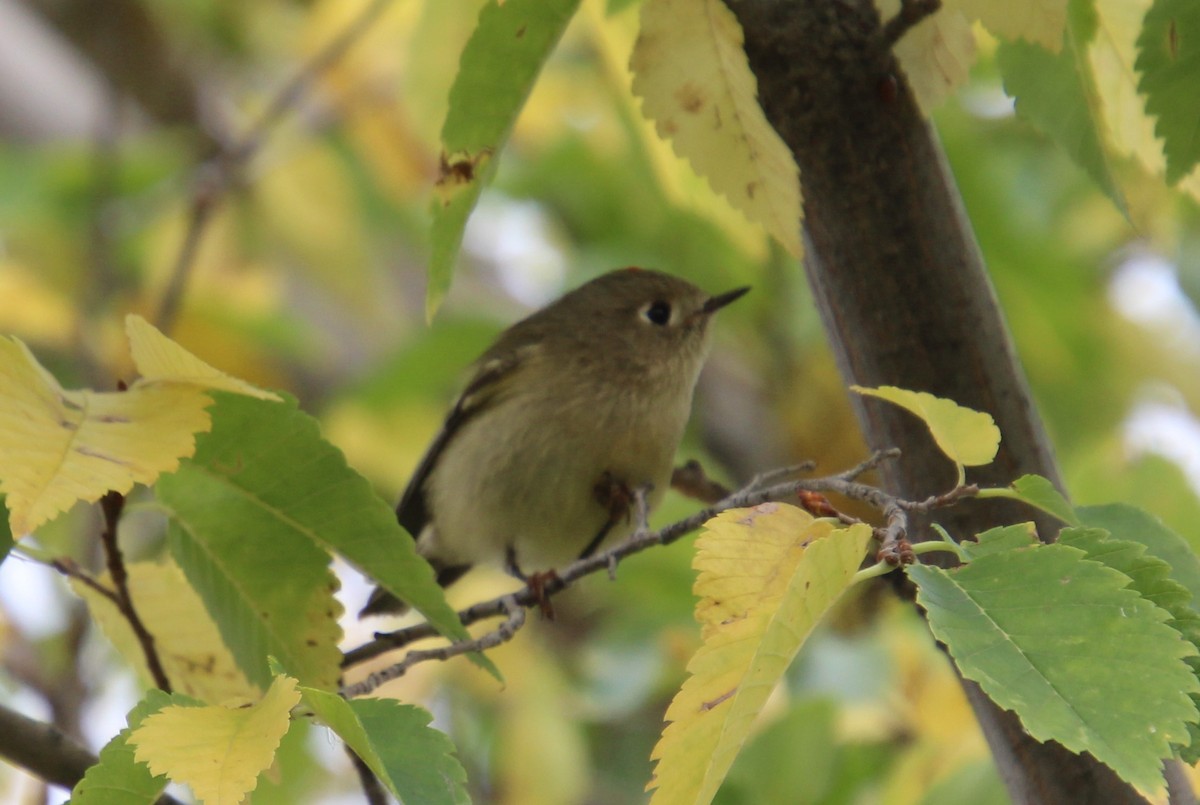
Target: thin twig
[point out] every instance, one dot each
(515, 619)
(941, 501)
(778, 474)
(871, 463)
(640, 540)
(68, 567)
(111, 505)
(217, 175)
(911, 13)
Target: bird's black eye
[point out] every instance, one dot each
(658, 313)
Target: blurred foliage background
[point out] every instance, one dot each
(309, 278)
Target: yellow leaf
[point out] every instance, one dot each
(196, 660)
(59, 446)
(766, 576)
(1039, 21)
(936, 54)
(218, 751)
(691, 72)
(1112, 53)
(968, 437)
(158, 358)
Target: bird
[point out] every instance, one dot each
(562, 418)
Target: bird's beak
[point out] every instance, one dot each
(719, 301)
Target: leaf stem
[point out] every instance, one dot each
(994, 492)
(111, 505)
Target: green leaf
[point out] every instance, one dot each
(499, 65)
(252, 515)
(1169, 62)
(1066, 644)
(1040, 493)
(997, 540)
(968, 437)
(414, 761)
(118, 779)
(1127, 522)
(1151, 577)
(1055, 92)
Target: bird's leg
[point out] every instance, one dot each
(617, 497)
(536, 582)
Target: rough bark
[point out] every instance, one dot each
(904, 296)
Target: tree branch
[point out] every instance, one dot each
(217, 176)
(47, 752)
(883, 221)
(513, 605)
(111, 505)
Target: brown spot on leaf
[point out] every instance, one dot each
(709, 705)
(751, 187)
(460, 168)
(521, 32)
(84, 450)
(690, 98)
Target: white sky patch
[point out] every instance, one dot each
(1166, 428)
(987, 101)
(28, 596)
(1145, 289)
(516, 238)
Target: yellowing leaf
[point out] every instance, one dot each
(218, 751)
(193, 655)
(158, 358)
(766, 576)
(935, 55)
(691, 72)
(58, 447)
(970, 438)
(1039, 21)
(1112, 54)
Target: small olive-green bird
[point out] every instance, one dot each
(568, 412)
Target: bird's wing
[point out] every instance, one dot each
(488, 380)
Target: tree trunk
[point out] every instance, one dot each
(905, 299)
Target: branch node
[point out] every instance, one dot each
(911, 14)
